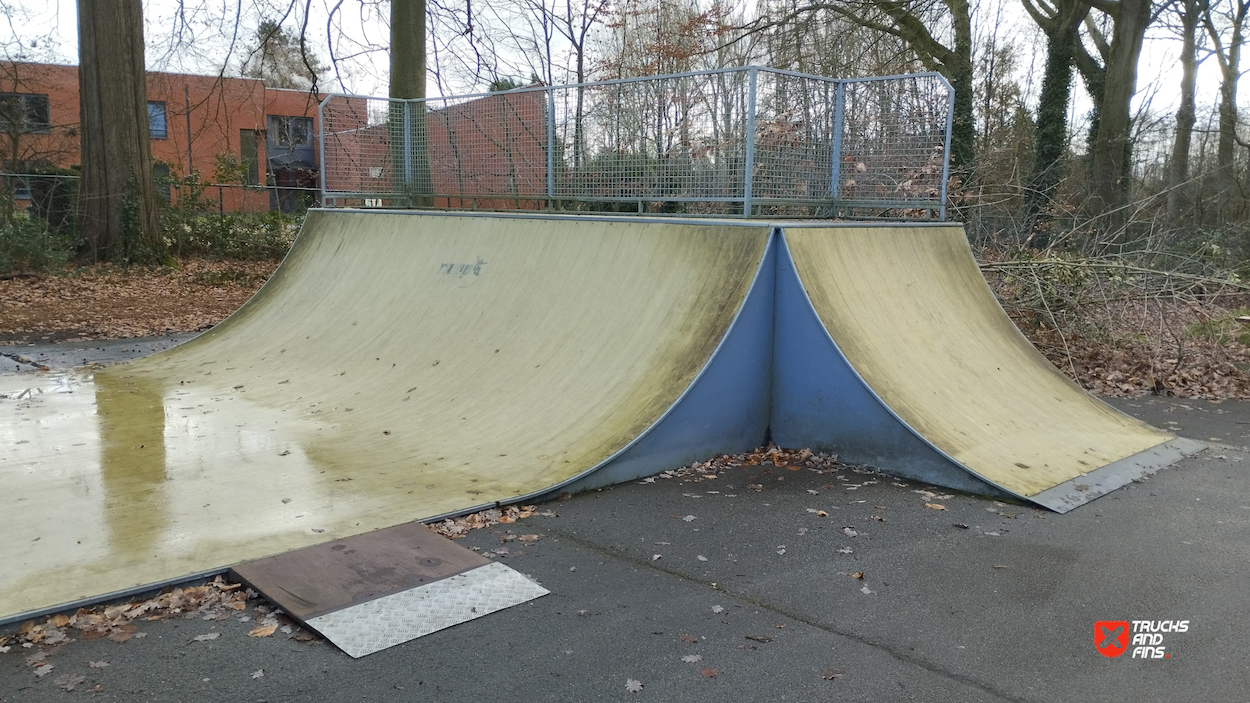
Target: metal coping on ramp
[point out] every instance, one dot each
(403, 366)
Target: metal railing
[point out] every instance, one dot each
(732, 142)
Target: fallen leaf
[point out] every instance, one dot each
(206, 638)
(831, 674)
(690, 518)
(960, 525)
(259, 673)
(867, 591)
(69, 681)
(655, 557)
(633, 685)
(97, 665)
(528, 538)
(849, 532)
(58, 621)
(263, 631)
(44, 669)
(760, 638)
(692, 658)
(844, 550)
(858, 575)
(709, 672)
(935, 506)
(688, 639)
(1001, 566)
(821, 513)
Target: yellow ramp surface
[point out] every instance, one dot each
(395, 368)
(911, 313)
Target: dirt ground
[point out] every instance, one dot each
(1154, 355)
(111, 302)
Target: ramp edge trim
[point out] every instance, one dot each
(1103, 480)
(128, 592)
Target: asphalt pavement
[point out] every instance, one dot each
(786, 585)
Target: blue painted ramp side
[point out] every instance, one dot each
(724, 411)
(820, 402)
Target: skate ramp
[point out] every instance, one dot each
(892, 351)
(397, 367)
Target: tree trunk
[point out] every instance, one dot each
(1178, 168)
(117, 203)
(410, 149)
(1111, 147)
(1229, 58)
(1050, 135)
(963, 129)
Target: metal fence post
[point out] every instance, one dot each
(321, 142)
(946, 146)
(551, 147)
(749, 157)
(839, 122)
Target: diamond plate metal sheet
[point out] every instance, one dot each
(397, 618)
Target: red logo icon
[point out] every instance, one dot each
(1111, 637)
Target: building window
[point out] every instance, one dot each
(162, 180)
(249, 154)
(28, 112)
(290, 131)
(157, 128)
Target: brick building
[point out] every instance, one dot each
(192, 121)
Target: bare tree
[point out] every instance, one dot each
(1226, 27)
(922, 25)
(1190, 15)
(1112, 82)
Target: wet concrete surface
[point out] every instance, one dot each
(34, 358)
(981, 601)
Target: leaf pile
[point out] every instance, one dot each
(107, 301)
(1122, 330)
(216, 600)
(455, 528)
(793, 459)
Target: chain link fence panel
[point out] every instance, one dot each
(733, 142)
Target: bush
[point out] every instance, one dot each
(193, 226)
(28, 245)
(243, 235)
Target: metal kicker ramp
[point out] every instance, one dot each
(408, 366)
